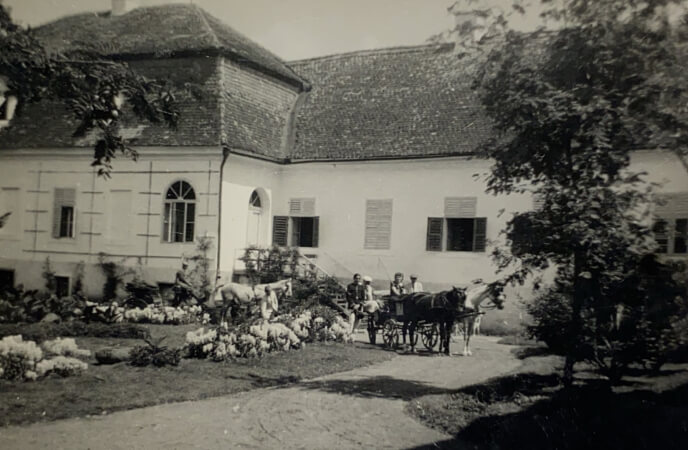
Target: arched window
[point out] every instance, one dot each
(180, 213)
(254, 201)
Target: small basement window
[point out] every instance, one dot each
(61, 286)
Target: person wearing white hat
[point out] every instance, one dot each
(415, 286)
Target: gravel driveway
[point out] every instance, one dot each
(362, 408)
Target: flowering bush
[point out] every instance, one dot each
(61, 365)
(18, 358)
(24, 360)
(286, 332)
(64, 347)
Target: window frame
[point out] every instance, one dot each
(64, 198)
(69, 285)
(441, 234)
(669, 235)
(169, 213)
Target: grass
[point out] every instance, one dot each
(107, 388)
(530, 409)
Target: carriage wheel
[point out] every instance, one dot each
(390, 335)
(430, 336)
(371, 332)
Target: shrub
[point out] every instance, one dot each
(155, 354)
(643, 319)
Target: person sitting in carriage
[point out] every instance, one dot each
(396, 287)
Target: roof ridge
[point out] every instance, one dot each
(377, 51)
(200, 13)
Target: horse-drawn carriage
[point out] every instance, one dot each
(389, 322)
(432, 316)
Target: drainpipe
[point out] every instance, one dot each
(225, 157)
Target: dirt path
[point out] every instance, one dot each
(363, 408)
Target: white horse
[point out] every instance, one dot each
(474, 297)
(235, 294)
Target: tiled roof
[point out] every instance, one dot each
(197, 82)
(390, 103)
(163, 31)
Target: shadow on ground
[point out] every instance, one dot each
(376, 387)
(531, 411)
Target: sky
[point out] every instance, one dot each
(295, 29)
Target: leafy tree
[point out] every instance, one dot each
(91, 85)
(569, 106)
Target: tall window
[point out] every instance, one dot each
(672, 235)
(64, 213)
(180, 213)
(671, 224)
(464, 232)
(301, 228)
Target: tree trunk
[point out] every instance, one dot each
(576, 321)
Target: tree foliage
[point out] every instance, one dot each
(569, 106)
(91, 85)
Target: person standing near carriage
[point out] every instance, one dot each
(355, 296)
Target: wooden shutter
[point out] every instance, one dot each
(280, 230)
(63, 197)
(674, 205)
(479, 234)
(538, 202)
(460, 207)
(434, 234)
(378, 224)
(316, 231)
(295, 231)
(302, 207)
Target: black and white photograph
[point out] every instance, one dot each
(344, 224)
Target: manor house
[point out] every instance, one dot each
(366, 162)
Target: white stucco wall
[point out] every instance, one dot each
(417, 188)
(121, 216)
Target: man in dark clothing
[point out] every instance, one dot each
(355, 296)
(355, 293)
(182, 288)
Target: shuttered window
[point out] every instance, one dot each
(378, 224)
(64, 213)
(671, 224)
(538, 202)
(460, 207)
(480, 234)
(434, 234)
(463, 235)
(305, 231)
(302, 207)
(280, 230)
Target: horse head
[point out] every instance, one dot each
(497, 296)
(457, 297)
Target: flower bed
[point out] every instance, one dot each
(157, 314)
(286, 332)
(25, 360)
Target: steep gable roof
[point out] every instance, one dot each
(391, 103)
(160, 31)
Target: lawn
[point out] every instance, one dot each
(106, 388)
(529, 409)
